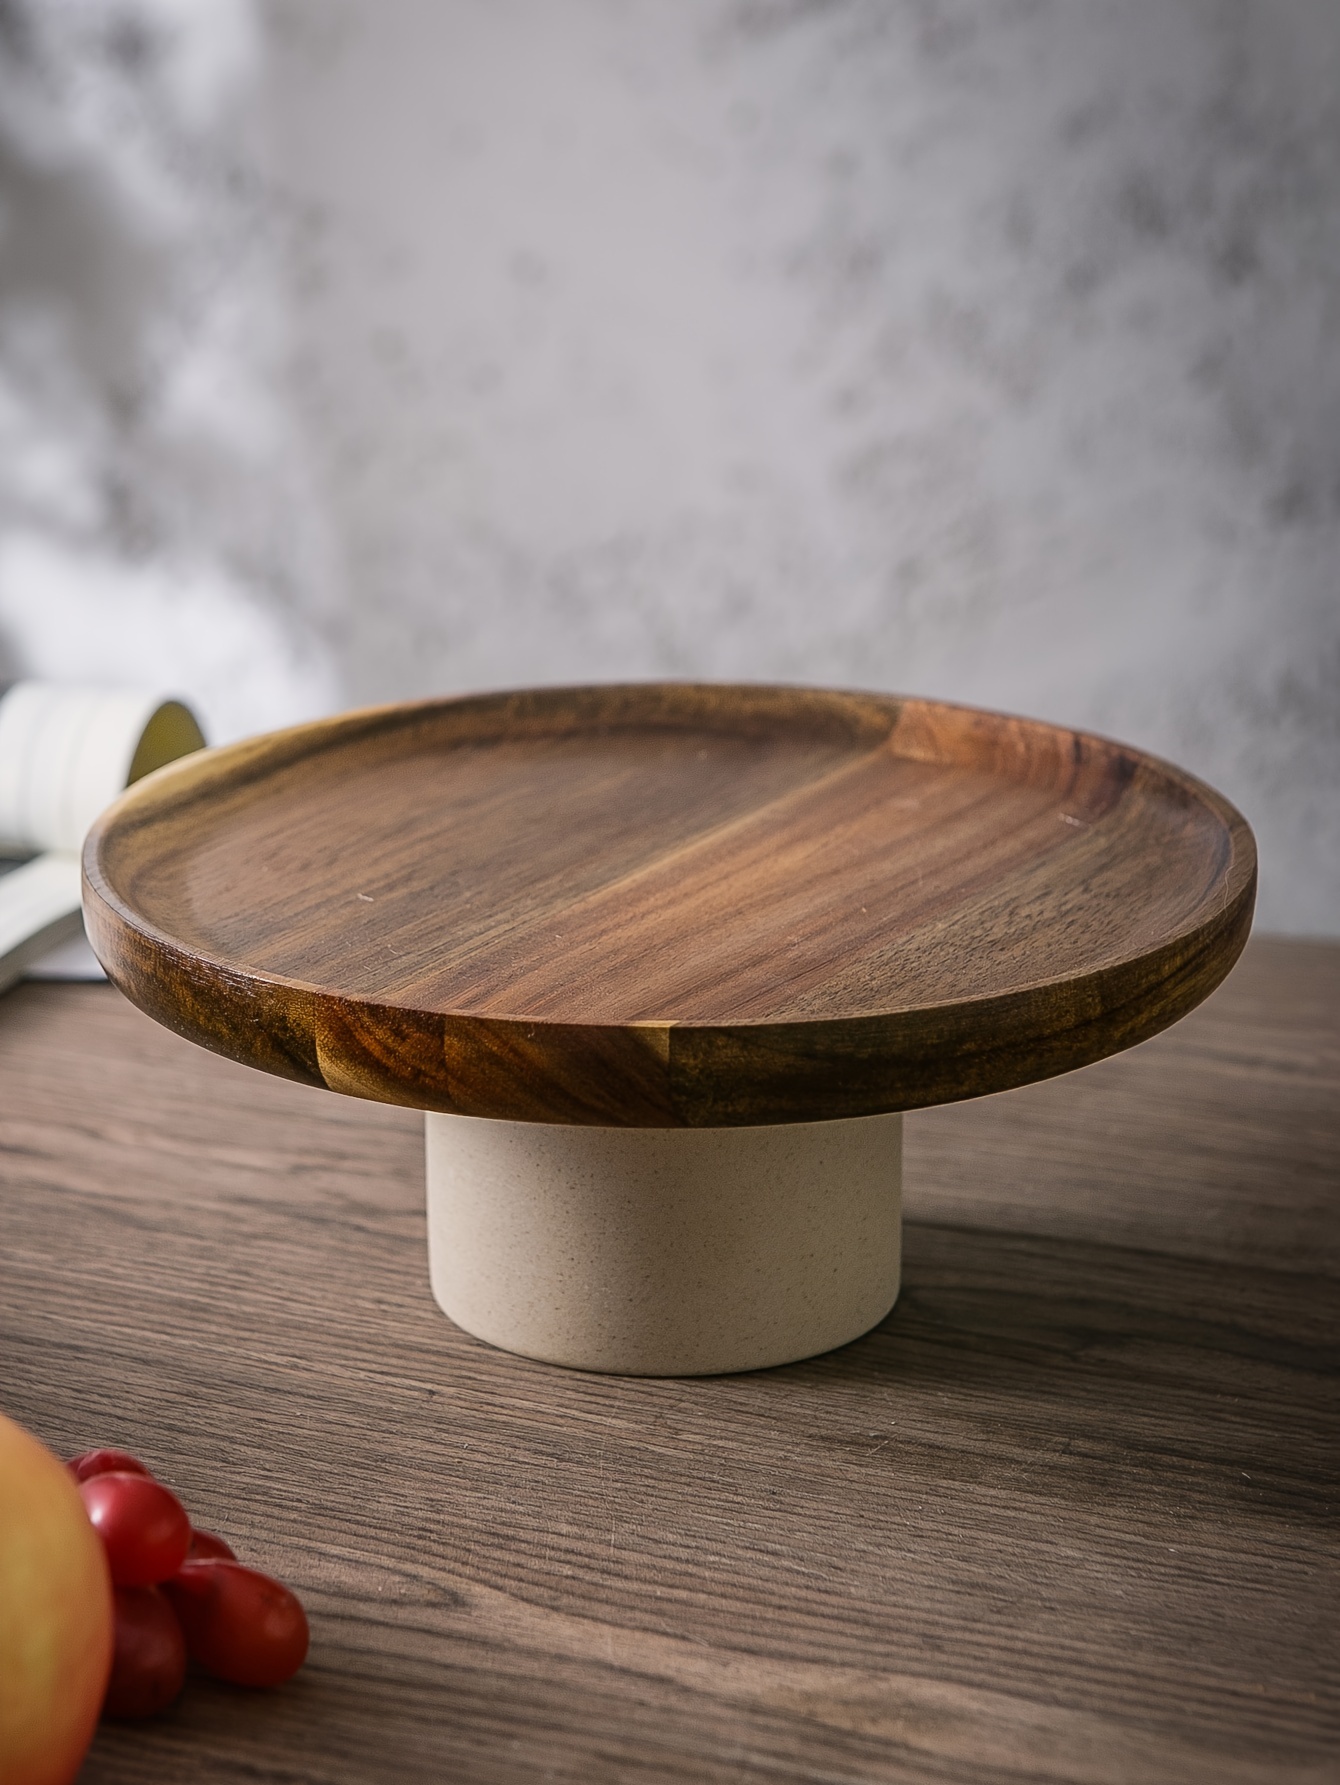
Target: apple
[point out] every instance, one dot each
(55, 1616)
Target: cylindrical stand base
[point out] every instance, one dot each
(665, 1251)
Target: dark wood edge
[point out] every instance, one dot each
(656, 1074)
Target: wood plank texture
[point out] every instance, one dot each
(670, 905)
(1068, 1515)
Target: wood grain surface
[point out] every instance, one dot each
(1068, 1515)
(670, 905)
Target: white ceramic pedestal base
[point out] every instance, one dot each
(665, 1251)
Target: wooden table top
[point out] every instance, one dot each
(670, 904)
(1069, 1514)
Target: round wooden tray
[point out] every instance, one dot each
(669, 905)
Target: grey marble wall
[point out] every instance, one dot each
(158, 521)
(987, 349)
(980, 349)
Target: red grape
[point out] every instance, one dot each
(142, 1524)
(103, 1462)
(238, 1623)
(149, 1659)
(206, 1547)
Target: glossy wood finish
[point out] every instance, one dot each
(670, 905)
(1068, 1515)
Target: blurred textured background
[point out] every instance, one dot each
(352, 349)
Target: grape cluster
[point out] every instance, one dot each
(180, 1593)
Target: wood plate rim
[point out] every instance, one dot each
(659, 1073)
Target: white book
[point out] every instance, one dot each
(66, 752)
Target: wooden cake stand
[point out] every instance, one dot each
(663, 963)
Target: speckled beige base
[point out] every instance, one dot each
(665, 1251)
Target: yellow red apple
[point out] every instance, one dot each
(55, 1616)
